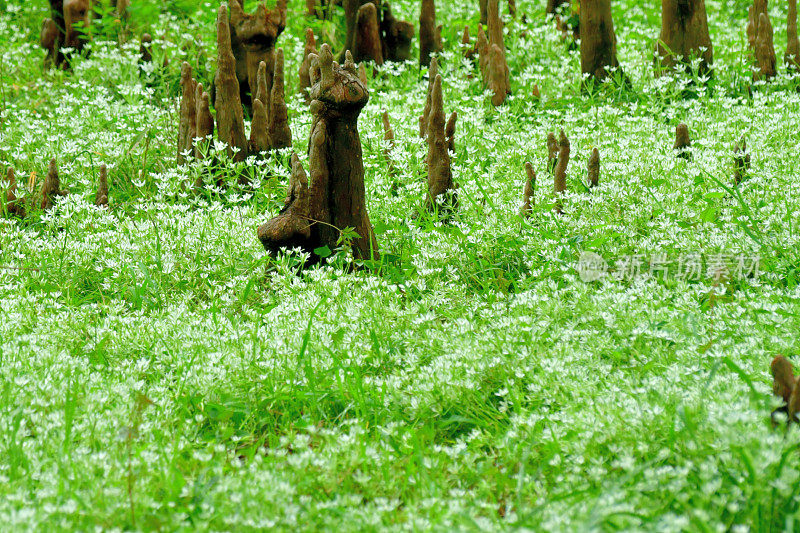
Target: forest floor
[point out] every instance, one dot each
(158, 370)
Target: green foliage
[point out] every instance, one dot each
(158, 371)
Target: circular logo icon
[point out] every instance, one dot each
(591, 267)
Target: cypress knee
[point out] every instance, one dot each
(560, 175)
(528, 200)
(305, 79)
(51, 187)
(598, 40)
(368, 38)
(593, 168)
(428, 44)
(442, 196)
(784, 386)
(792, 55)
(280, 134)
(59, 30)
(315, 213)
(101, 197)
(255, 35)
(228, 104)
(397, 36)
(683, 143)
(14, 205)
(684, 35)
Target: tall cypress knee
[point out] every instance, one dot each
(428, 44)
(766, 60)
(598, 40)
(256, 33)
(280, 134)
(228, 103)
(59, 31)
(684, 35)
(315, 213)
(792, 55)
(442, 195)
(304, 77)
(397, 36)
(560, 175)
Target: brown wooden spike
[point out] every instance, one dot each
(467, 48)
(428, 44)
(433, 71)
(236, 11)
(398, 35)
(351, 21)
(441, 190)
(792, 55)
(368, 38)
(594, 168)
(205, 122)
(784, 381)
(192, 116)
(262, 90)
(49, 40)
(598, 40)
(388, 132)
(76, 19)
(684, 36)
(450, 132)
(228, 103)
(298, 185)
(793, 406)
(101, 197)
(552, 151)
(560, 179)
(305, 67)
(145, 44)
(752, 27)
(14, 205)
(311, 7)
(185, 111)
(253, 37)
(482, 47)
(259, 138)
(495, 26)
(280, 134)
(498, 80)
(765, 50)
(683, 143)
(64, 29)
(279, 14)
(336, 198)
(528, 199)
(51, 187)
(11, 191)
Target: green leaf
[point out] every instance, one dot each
(322, 251)
(709, 214)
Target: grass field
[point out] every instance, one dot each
(158, 371)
